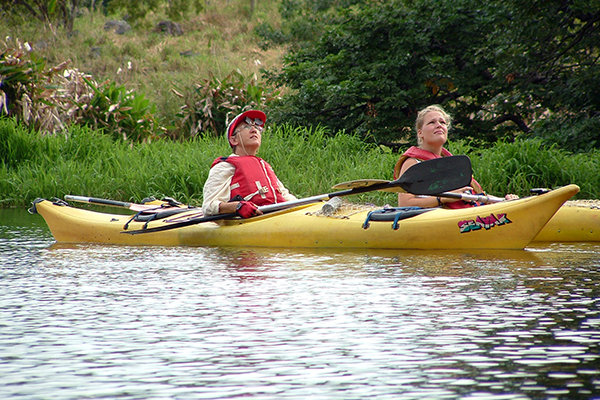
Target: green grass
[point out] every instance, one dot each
(518, 167)
(89, 163)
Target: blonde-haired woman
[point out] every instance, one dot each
(432, 127)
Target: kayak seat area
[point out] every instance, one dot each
(142, 217)
(154, 216)
(393, 214)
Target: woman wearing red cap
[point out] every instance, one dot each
(242, 181)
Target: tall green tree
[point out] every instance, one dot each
(498, 66)
(551, 71)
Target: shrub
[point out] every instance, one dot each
(123, 113)
(211, 104)
(50, 100)
(580, 133)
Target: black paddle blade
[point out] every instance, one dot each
(435, 176)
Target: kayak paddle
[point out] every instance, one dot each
(167, 202)
(480, 198)
(426, 178)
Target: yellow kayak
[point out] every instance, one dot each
(507, 225)
(575, 221)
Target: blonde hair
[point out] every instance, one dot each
(421, 118)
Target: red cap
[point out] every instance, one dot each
(240, 118)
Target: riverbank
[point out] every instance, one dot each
(88, 163)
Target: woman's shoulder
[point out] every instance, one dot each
(403, 163)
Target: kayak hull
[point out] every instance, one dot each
(576, 221)
(507, 225)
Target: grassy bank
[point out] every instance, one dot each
(309, 163)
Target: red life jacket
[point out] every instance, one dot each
(254, 180)
(423, 155)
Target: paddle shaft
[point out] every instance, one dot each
(379, 186)
(115, 203)
(95, 200)
(320, 197)
(471, 197)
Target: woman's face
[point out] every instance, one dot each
(434, 130)
(247, 139)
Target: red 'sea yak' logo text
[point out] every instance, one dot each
(483, 222)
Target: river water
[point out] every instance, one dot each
(106, 322)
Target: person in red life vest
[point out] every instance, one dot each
(242, 181)
(432, 127)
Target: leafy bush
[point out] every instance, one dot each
(270, 37)
(211, 105)
(123, 113)
(50, 100)
(20, 77)
(576, 133)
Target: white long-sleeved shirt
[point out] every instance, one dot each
(217, 188)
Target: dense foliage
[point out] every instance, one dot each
(502, 68)
(211, 104)
(50, 99)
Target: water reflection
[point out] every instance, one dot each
(89, 321)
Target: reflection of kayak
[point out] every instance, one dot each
(576, 221)
(506, 225)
